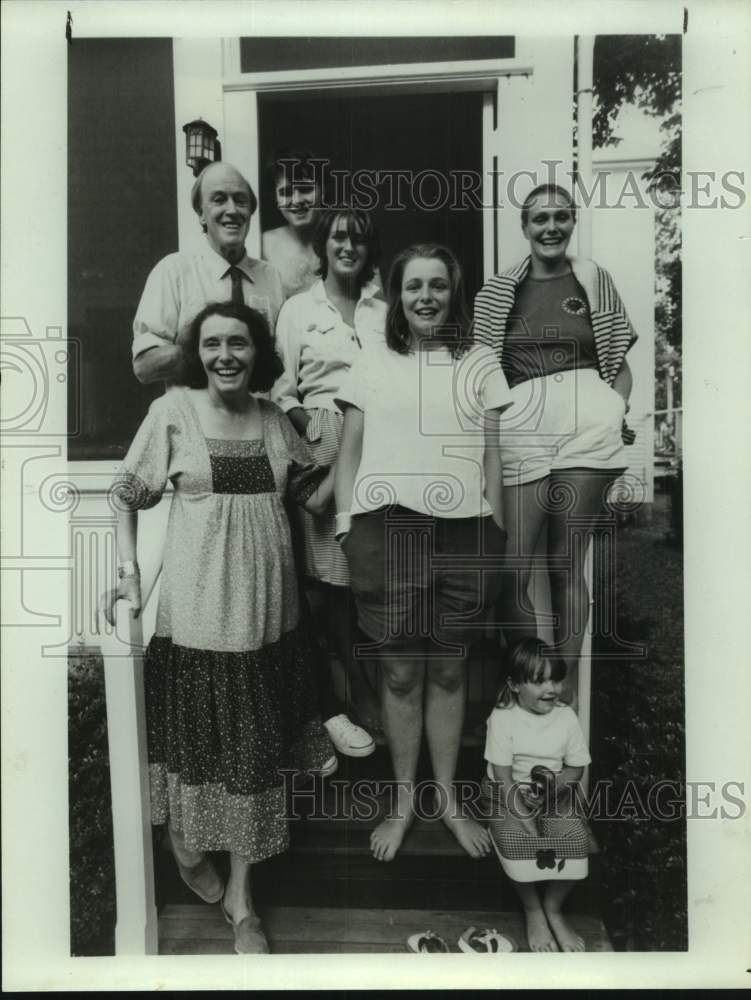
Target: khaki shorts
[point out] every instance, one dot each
(569, 420)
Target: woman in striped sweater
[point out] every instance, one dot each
(561, 334)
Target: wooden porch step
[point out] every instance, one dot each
(427, 838)
(329, 863)
(431, 868)
(202, 930)
(345, 880)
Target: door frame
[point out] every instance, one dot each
(239, 96)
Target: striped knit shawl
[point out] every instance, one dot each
(611, 327)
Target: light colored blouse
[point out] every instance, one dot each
(318, 348)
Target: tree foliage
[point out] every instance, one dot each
(669, 294)
(644, 70)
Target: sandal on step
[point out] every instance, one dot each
(426, 943)
(249, 936)
(485, 942)
(202, 879)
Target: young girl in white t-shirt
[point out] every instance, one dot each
(536, 754)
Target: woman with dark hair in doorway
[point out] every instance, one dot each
(298, 189)
(561, 334)
(320, 333)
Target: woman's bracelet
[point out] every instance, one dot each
(343, 523)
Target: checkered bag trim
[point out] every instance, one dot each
(546, 851)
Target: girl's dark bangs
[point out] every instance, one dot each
(535, 672)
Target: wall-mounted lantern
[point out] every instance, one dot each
(201, 145)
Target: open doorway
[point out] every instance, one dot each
(419, 134)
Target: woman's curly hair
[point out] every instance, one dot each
(267, 365)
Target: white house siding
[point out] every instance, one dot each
(198, 94)
(535, 125)
(623, 241)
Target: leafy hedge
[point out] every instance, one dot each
(639, 740)
(92, 874)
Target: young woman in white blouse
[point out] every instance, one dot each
(418, 495)
(320, 333)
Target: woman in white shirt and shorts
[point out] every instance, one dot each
(418, 495)
(559, 329)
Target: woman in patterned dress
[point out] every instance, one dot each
(229, 691)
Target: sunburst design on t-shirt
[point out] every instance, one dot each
(575, 306)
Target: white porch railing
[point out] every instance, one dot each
(136, 929)
(668, 431)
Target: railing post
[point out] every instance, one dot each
(136, 931)
(585, 661)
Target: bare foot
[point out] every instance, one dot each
(566, 936)
(539, 935)
(387, 837)
(474, 838)
(236, 905)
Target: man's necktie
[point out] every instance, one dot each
(237, 285)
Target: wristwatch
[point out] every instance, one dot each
(129, 568)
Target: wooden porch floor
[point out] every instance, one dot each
(202, 930)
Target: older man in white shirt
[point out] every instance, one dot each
(182, 283)
(178, 287)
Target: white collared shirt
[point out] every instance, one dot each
(181, 284)
(318, 348)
